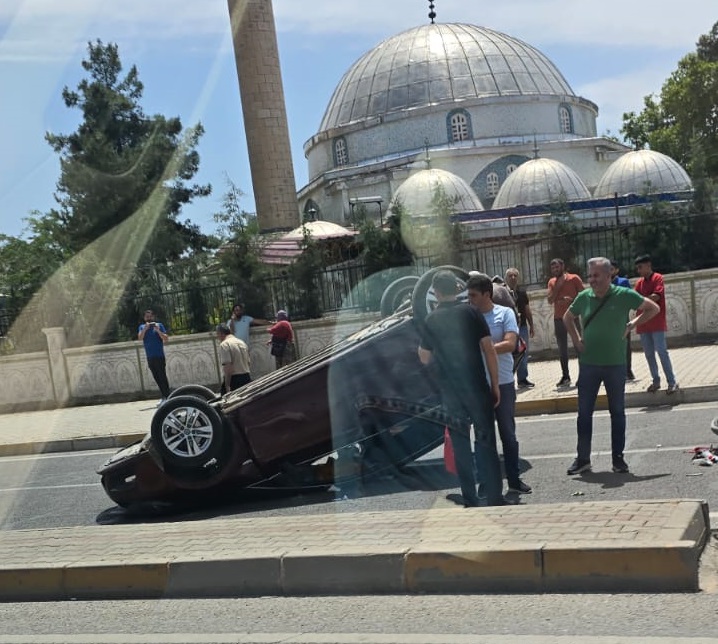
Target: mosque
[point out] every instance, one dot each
(483, 116)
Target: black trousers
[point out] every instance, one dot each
(158, 368)
(236, 381)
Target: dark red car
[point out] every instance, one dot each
(361, 406)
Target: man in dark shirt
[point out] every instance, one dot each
(454, 337)
(526, 322)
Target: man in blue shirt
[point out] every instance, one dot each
(504, 333)
(154, 335)
(239, 323)
(623, 281)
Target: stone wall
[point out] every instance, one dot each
(63, 376)
(115, 372)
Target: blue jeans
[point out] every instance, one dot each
(590, 378)
(522, 373)
(506, 422)
(655, 342)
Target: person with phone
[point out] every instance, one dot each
(154, 336)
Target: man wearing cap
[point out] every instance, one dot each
(653, 333)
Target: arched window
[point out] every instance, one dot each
(458, 126)
(565, 119)
(510, 168)
(340, 151)
(492, 184)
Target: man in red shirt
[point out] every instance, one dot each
(563, 288)
(653, 332)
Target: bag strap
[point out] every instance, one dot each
(598, 308)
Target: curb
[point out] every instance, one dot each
(667, 563)
(70, 444)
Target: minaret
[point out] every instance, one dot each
(265, 117)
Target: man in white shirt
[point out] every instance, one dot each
(504, 333)
(234, 356)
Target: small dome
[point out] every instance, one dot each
(418, 192)
(439, 64)
(426, 196)
(641, 172)
(540, 181)
(318, 230)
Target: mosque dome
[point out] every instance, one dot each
(440, 64)
(640, 172)
(421, 223)
(540, 181)
(417, 193)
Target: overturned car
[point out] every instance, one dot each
(367, 395)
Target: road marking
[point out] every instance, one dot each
(40, 457)
(47, 487)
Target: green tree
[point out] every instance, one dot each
(562, 230)
(684, 112)
(111, 165)
(306, 274)
(124, 178)
(240, 255)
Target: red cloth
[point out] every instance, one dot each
(449, 462)
(571, 287)
(647, 286)
(282, 330)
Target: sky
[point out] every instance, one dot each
(613, 53)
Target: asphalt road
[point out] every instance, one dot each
(63, 490)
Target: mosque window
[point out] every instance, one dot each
(458, 125)
(565, 119)
(510, 168)
(340, 151)
(492, 184)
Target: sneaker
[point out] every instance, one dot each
(520, 487)
(564, 382)
(630, 376)
(653, 387)
(619, 465)
(578, 466)
(525, 384)
(162, 402)
(672, 388)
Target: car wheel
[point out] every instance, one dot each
(423, 300)
(188, 433)
(714, 425)
(397, 294)
(198, 391)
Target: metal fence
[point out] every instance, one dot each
(687, 242)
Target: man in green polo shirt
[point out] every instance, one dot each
(604, 311)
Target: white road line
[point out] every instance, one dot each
(47, 487)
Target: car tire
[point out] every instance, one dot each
(422, 299)
(187, 434)
(397, 294)
(198, 391)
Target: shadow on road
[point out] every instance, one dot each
(610, 480)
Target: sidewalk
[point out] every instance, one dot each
(625, 546)
(117, 425)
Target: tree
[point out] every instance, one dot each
(241, 250)
(685, 112)
(123, 181)
(562, 230)
(117, 158)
